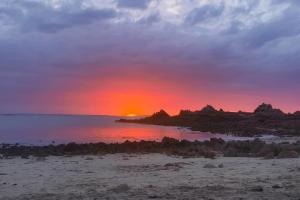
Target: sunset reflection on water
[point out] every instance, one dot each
(45, 129)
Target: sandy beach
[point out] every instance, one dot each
(149, 176)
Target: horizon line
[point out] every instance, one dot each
(142, 115)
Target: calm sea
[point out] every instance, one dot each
(45, 129)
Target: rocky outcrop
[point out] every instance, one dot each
(268, 111)
(160, 114)
(264, 120)
(208, 109)
(184, 113)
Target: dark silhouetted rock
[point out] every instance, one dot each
(208, 109)
(184, 113)
(268, 110)
(264, 120)
(264, 108)
(160, 115)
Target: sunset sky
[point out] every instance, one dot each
(120, 57)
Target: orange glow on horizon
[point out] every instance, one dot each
(137, 97)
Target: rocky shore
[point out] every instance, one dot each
(264, 120)
(169, 146)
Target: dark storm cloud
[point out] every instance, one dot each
(135, 4)
(39, 16)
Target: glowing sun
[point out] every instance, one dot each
(131, 115)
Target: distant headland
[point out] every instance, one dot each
(263, 120)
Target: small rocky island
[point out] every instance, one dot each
(264, 120)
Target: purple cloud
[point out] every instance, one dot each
(89, 44)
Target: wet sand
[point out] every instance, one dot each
(149, 176)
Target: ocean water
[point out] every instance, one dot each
(46, 129)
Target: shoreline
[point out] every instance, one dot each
(269, 149)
